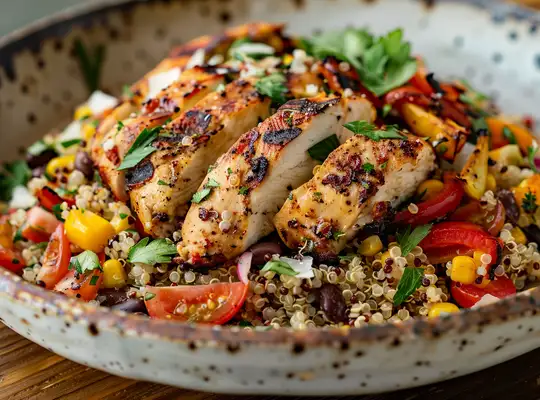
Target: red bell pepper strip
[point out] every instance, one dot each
(48, 198)
(468, 295)
(449, 239)
(440, 205)
(492, 220)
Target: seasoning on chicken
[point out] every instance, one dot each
(359, 183)
(245, 188)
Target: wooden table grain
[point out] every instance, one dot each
(28, 371)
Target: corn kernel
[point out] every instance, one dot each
(442, 308)
(477, 256)
(287, 59)
(114, 275)
(59, 163)
(463, 270)
(491, 183)
(211, 304)
(88, 131)
(385, 256)
(120, 224)
(370, 246)
(87, 230)
(431, 187)
(82, 112)
(518, 235)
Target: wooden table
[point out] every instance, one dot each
(28, 371)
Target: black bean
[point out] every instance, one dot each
(262, 249)
(533, 233)
(84, 163)
(41, 159)
(506, 197)
(131, 306)
(332, 303)
(113, 296)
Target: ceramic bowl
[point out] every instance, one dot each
(495, 46)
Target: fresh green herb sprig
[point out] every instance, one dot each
(320, 151)
(91, 64)
(206, 190)
(409, 240)
(85, 262)
(371, 131)
(279, 267)
(273, 86)
(155, 252)
(141, 148)
(410, 281)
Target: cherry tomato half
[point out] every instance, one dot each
(11, 260)
(446, 201)
(449, 239)
(206, 304)
(81, 286)
(468, 295)
(39, 225)
(491, 220)
(56, 259)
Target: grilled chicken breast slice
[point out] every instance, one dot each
(164, 184)
(108, 150)
(358, 183)
(251, 181)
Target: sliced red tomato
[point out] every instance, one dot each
(449, 239)
(48, 198)
(11, 260)
(206, 304)
(39, 225)
(81, 286)
(468, 295)
(441, 204)
(491, 220)
(56, 259)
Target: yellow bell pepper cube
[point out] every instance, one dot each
(463, 270)
(491, 183)
(88, 230)
(88, 131)
(429, 189)
(442, 308)
(114, 275)
(475, 171)
(518, 235)
(370, 246)
(120, 224)
(59, 163)
(82, 112)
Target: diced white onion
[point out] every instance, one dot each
(196, 59)
(303, 266)
(158, 82)
(253, 48)
(22, 198)
(72, 131)
(99, 102)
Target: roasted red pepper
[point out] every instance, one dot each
(48, 198)
(406, 94)
(440, 205)
(468, 295)
(491, 220)
(449, 239)
(419, 79)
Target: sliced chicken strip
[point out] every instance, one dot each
(255, 176)
(109, 150)
(359, 183)
(196, 140)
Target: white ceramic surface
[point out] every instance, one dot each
(39, 89)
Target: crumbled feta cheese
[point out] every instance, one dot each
(158, 82)
(312, 90)
(348, 92)
(303, 266)
(99, 102)
(196, 59)
(72, 131)
(22, 198)
(253, 48)
(298, 64)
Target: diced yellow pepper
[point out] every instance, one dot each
(442, 308)
(287, 59)
(82, 112)
(491, 183)
(507, 155)
(463, 270)
(59, 163)
(88, 130)
(477, 258)
(370, 246)
(518, 235)
(431, 187)
(87, 230)
(120, 224)
(114, 275)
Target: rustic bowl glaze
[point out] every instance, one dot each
(496, 46)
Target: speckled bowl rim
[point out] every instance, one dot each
(14, 288)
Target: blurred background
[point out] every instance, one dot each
(21, 12)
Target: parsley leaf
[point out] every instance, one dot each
(279, 267)
(38, 147)
(368, 167)
(69, 143)
(162, 183)
(531, 153)
(57, 211)
(386, 109)
(529, 203)
(201, 195)
(157, 251)
(13, 174)
(243, 190)
(509, 135)
(122, 216)
(384, 164)
(383, 63)
(409, 240)
(321, 150)
(85, 262)
(90, 64)
(372, 132)
(127, 92)
(409, 282)
(337, 234)
(212, 183)
(273, 86)
(141, 148)
(149, 296)
(94, 280)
